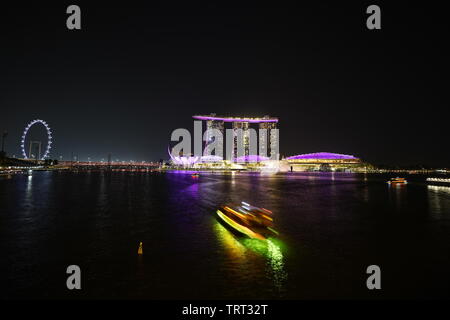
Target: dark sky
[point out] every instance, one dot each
(137, 71)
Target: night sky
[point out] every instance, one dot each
(137, 71)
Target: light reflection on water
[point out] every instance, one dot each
(270, 250)
(438, 197)
(28, 193)
(331, 225)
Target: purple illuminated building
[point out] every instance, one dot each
(322, 155)
(323, 161)
(184, 161)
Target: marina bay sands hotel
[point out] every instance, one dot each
(258, 158)
(267, 139)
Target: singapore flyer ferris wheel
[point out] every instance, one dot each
(49, 139)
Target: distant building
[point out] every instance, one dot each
(265, 153)
(213, 124)
(246, 137)
(266, 147)
(265, 143)
(321, 161)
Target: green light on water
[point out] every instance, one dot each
(270, 249)
(259, 246)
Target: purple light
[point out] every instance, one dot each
(251, 158)
(183, 161)
(189, 161)
(187, 172)
(231, 119)
(321, 155)
(211, 158)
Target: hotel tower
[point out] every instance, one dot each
(266, 137)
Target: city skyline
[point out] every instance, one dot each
(122, 85)
(211, 121)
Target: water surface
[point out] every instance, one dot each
(332, 225)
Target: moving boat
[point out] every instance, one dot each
(253, 222)
(397, 181)
(195, 175)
